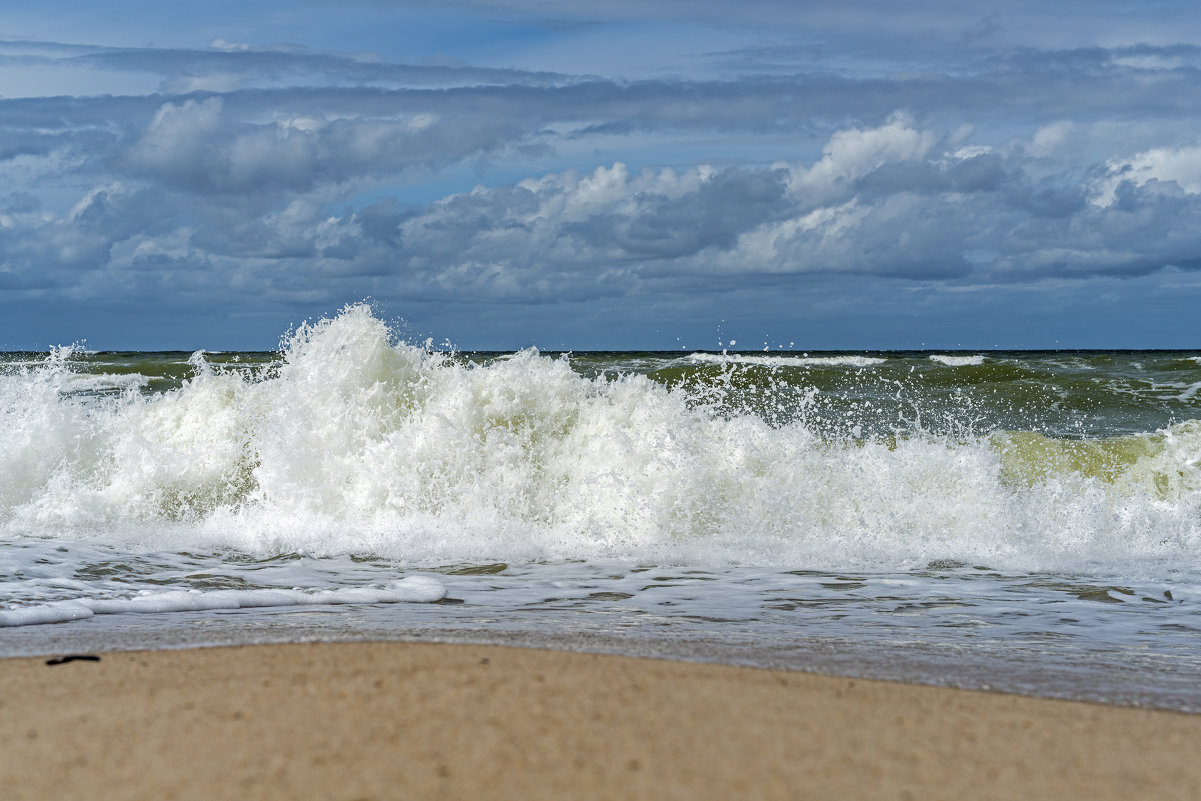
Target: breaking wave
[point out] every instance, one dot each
(355, 443)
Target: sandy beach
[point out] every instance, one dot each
(394, 720)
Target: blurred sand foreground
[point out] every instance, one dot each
(395, 720)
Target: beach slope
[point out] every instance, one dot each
(395, 720)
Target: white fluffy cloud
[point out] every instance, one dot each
(856, 152)
(1178, 165)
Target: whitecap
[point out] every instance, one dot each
(788, 361)
(958, 361)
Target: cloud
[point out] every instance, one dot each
(225, 67)
(177, 142)
(854, 153)
(887, 201)
(896, 200)
(292, 176)
(1050, 138)
(1179, 165)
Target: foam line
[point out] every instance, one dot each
(413, 589)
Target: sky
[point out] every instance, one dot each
(659, 174)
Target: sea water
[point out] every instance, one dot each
(1019, 520)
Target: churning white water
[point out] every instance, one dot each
(356, 444)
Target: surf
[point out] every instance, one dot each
(353, 441)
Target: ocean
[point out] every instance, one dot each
(1021, 521)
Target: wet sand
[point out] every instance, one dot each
(402, 720)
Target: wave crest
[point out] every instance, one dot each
(357, 443)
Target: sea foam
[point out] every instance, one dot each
(413, 589)
(355, 443)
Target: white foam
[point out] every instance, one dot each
(958, 361)
(787, 361)
(359, 445)
(412, 589)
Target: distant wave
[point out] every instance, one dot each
(958, 361)
(787, 361)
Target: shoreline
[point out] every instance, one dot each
(1098, 674)
(386, 719)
